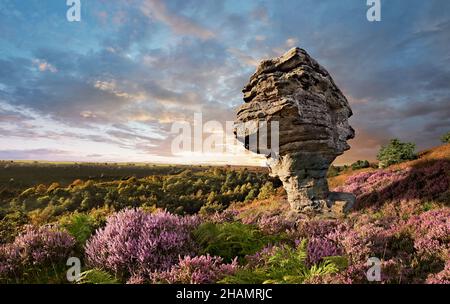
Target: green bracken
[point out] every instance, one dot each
(230, 240)
(287, 265)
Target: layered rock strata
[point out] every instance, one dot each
(312, 116)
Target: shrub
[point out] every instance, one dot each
(442, 277)
(211, 208)
(196, 270)
(396, 152)
(266, 191)
(333, 171)
(275, 224)
(446, 138)
(99, 216)
(431, 231)
(11, 225)
(9, 263)
(229, 240)
(137, 280)
(228, 215)
(319, 248)
(315, 228)
(251, 195)
(360, 164)
(38, 255)
(378, 187)
(357, 241)
(134, 242)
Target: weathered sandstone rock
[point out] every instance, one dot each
(312, 113)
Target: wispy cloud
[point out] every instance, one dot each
(44, 66)
(158, 10)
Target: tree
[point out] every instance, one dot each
(211, 197)
(333, 171)
(251, 195)
(446, 138)
(211, 208)
(360, 164)
(266, 191)
(396, 152)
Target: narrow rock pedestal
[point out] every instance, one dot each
(312, 114)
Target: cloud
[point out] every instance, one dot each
(365, 145)
(112, 88)
(116, 81)
(13, 69)
(243, 57)
(260, 13)
(88, 114)
(291, 42)
(32, 154)
(44, 66)
(179, 24)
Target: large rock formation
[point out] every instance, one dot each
(312, 113)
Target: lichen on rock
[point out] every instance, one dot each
(311, 114)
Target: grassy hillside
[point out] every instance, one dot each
(232, 226)
(424, 158)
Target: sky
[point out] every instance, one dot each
(110, 87)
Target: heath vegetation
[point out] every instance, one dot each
(232, 225)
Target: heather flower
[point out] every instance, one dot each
(318, 248)
(273, 224)
(37, 248)
(260, 257)
(359, 241)
(316, 228)
(442, 277)
(431, 231)
(401, 210)
(40, 245)
(136, 280)
(350, 241)
(392, 271)
(9, 261)
(225, 216)
(269, 217)
(137, 243)
(196, 270)
(377, 187)
(354, 274)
